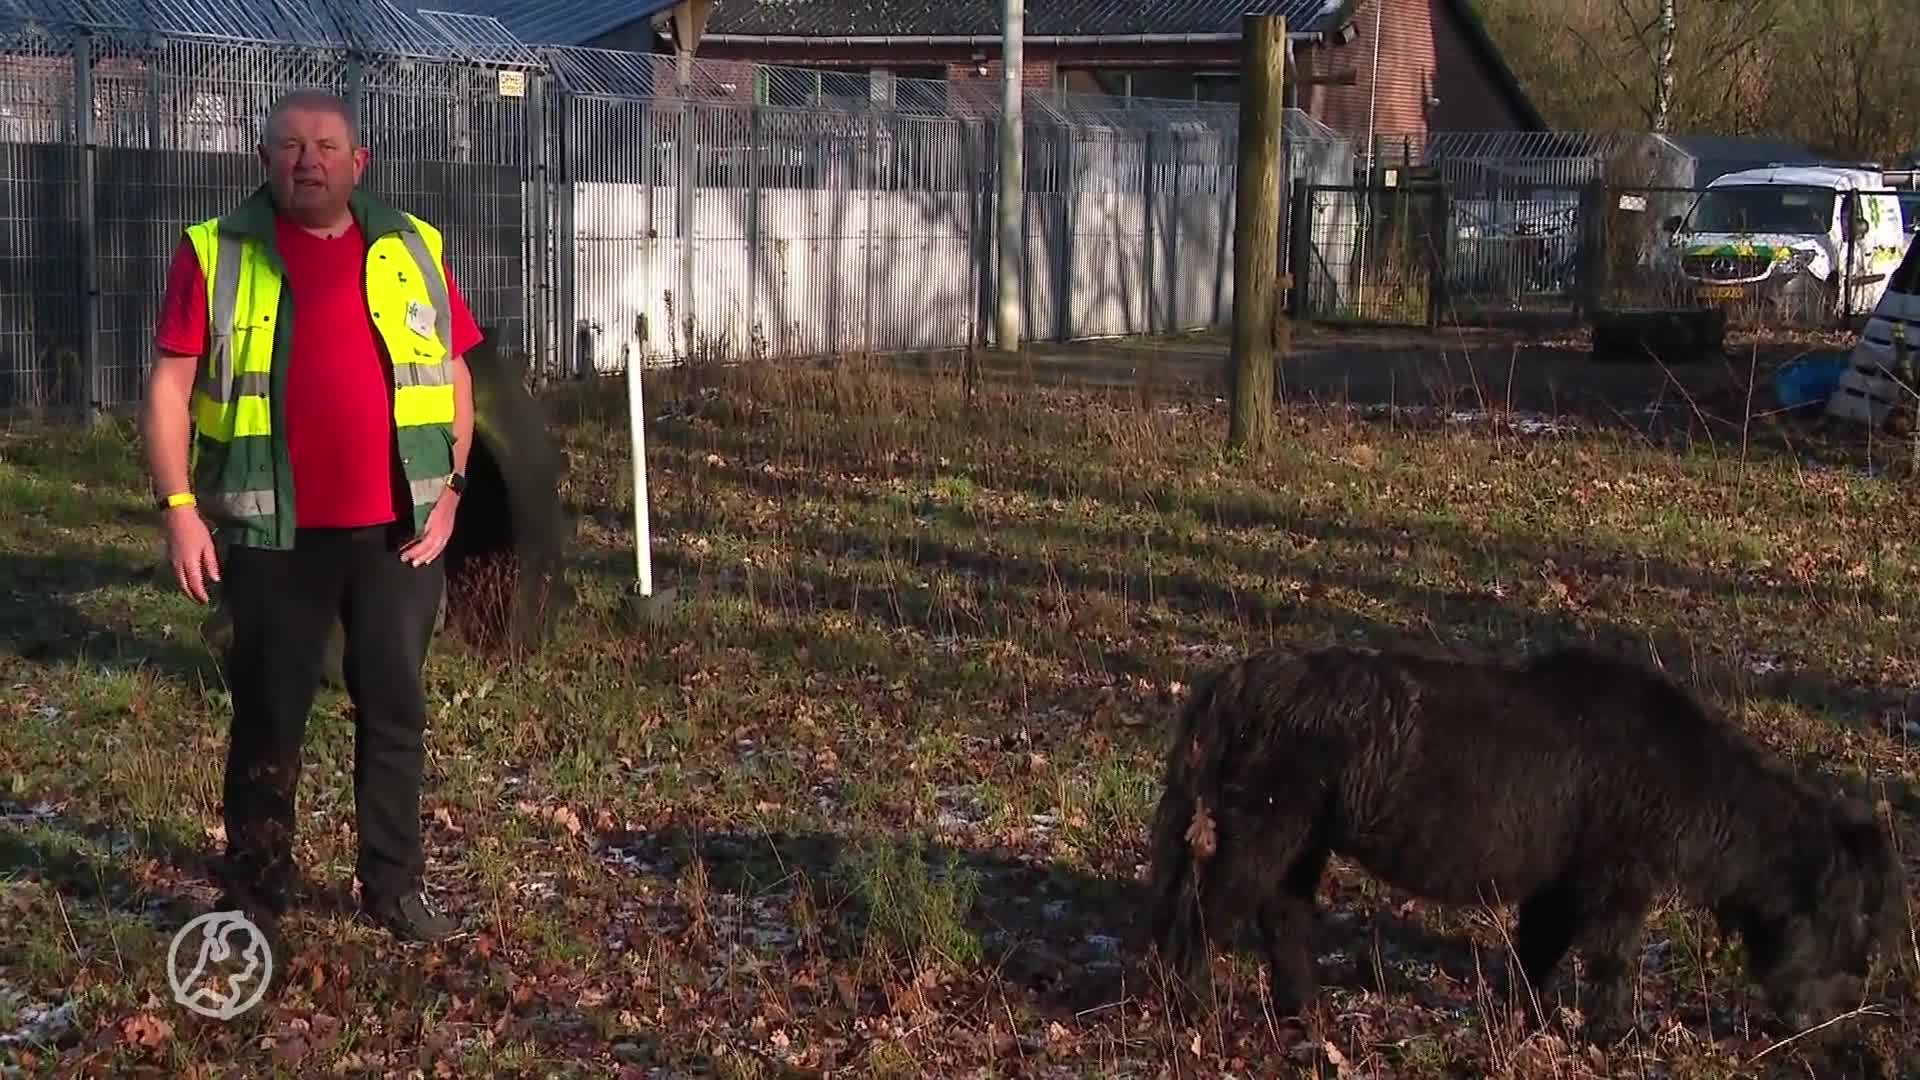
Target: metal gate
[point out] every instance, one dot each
(1369, 254)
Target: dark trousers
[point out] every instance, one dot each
(283, 605)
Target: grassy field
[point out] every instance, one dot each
(872, 801)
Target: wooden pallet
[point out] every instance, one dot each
(1867, 394)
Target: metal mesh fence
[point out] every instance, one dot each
(1811, 254)
(745, 210)
(602, 208)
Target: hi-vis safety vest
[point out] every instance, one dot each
(242, 477)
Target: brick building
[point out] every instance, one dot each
(1437, 68)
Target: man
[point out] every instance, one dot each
(311, 340)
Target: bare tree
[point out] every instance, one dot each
(1855, 82)
(1663, 68)
(1691, 51)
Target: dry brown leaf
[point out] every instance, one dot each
(1201, 836)
(145, 1029)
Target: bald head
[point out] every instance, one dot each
(313, 158)
(307, 101)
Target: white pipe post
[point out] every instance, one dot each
(1012, 187)
(637, 436)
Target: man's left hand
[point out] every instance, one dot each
(433, 542)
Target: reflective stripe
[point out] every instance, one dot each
(436, 286)
(245, 384)
(427, 490)
(228, 255)
(437, 373)
(243, 504)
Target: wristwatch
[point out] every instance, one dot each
(457, 482)
(168, 502)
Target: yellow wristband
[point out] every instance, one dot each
(184, 498)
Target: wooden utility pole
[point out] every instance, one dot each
(1256, 228)
(1013, 198)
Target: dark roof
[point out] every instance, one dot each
(551, 22)
(1483, 44)
(956, 18)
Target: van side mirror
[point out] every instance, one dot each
(1672, 223)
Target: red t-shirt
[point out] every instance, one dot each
(339, 411)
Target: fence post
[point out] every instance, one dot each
(153, 106)
(755, 132)
(566, 315)
(869, 179)
(1177, 150)
(89, 234)
(1301, 237)
(683, 202)
(1149, 190)
(1067, 151)
(542, 312)
(1591, 258)
(356, 89)
(1440, 250)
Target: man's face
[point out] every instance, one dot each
(312, 164)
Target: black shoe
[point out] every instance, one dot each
(262, 916)
(410, 917)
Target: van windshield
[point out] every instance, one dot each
(1764, 208)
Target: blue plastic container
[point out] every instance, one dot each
(1808, 380)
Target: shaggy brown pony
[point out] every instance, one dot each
(1576, 784)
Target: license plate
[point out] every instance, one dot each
(1723, 292)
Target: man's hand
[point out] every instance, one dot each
(433, 542)
(190, 550)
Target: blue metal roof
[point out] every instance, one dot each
(551, 22)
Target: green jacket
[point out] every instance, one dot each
(242, 477)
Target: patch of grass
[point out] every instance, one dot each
(876, 794)
(915, 913)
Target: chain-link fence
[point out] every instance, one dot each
(1806, 253)
(785, 212)
(602, 208)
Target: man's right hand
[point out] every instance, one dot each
(190, 549)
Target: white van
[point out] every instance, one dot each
(1774, 236)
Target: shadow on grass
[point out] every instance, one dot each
(1012, 587)
(1728, 399)
(41, 622)
(1071, 939)
(86, 863)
